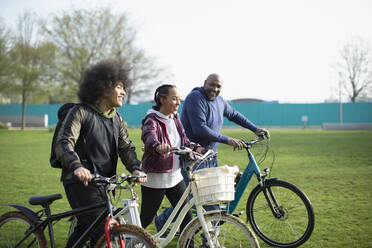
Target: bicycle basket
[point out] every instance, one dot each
(215, 184)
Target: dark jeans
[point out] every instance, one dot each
(162, 218)
(152, 198)
(79, 195)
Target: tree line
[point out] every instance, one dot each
(42, 60)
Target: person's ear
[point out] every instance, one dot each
(162, 100)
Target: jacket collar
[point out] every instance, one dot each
(159, 116)
(153, 115)
(98, 109)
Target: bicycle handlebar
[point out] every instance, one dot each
(250, 143)
(193, 156)
(114, 179)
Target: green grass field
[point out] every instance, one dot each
(334, 169)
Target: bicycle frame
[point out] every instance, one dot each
(48, 222)
(250, 169)
(130, 208)
(199, 210)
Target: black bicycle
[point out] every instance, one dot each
(25, 227)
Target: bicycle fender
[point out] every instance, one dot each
(268, 179)
(260, 186)
(29, 212)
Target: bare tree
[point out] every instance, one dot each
(30, 60)
(355, 68)
(4, 57)
(84, 37)
(144, 74)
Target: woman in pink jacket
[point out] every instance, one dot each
(162, 130)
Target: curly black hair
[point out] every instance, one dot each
(100, 79)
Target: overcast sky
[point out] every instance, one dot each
(268, 49)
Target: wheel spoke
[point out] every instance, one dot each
(227, 231)
(14, 226)
(295, 222)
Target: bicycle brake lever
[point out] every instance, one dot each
(263, 135)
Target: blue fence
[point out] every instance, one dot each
(263, 114)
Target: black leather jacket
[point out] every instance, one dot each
(88, 138)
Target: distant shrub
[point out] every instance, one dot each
(3, 125)
(52, 128)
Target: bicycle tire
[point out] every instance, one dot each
(13, 226)
(134, 237)
(71, 230)
(231, 232)
(296, 224)
(73, 225)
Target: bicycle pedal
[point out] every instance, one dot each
(238, 214)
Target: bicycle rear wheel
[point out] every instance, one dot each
(225, 230)
(293, 221)
(133, 236)
(13, 227)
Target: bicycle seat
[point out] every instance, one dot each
(41, 200)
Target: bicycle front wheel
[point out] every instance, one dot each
(13, 227)
(133, 236)
(225, 230)
(290, 222)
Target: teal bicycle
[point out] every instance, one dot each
(278, 211)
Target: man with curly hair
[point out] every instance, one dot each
(91, 139)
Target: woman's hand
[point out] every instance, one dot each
(140, 174)
(163, 149)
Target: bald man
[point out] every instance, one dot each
(203, 112)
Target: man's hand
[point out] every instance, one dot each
(140, 174)
(200, 150)
(263, 130)
(236, 143)
(83, 175)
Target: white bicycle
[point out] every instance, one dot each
(213, 229)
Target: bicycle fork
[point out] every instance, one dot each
(251, 169)
(272, 202)
(109, 224)
(112, 222)
(200, 213)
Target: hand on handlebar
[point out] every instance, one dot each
(164, 149)
(236, 143)
(201, 150)
(83, 174)
(141, 174)
(261, 132)
(186, 154)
